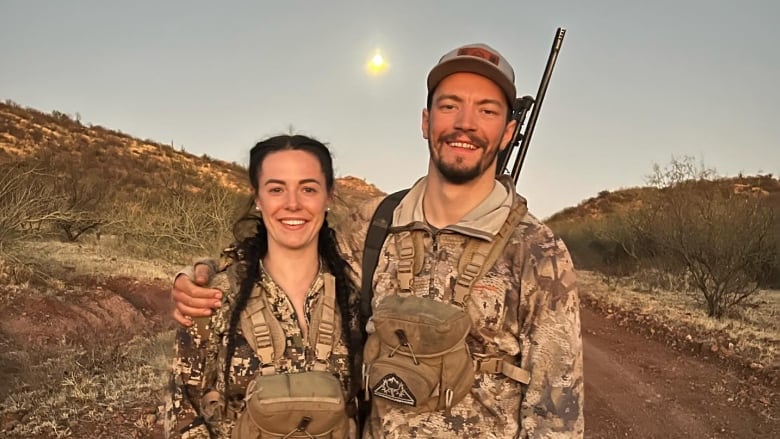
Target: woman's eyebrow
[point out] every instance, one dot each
(283, 183)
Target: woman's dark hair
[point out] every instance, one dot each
(253, 248)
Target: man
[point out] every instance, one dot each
(524, 309)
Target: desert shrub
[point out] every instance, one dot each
(183, 224)
(78, 193)
(605, 244)
(689, 232)
(722, 239)
(579, 238)
(25, 202)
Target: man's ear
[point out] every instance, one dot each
(509, 130)
(425, 124)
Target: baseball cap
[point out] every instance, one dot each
(480, 59)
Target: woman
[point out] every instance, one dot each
(274, 360)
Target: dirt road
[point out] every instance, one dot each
(640, 388)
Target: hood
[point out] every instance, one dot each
(482, 222)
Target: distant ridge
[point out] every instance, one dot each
(128, 163)
(765, 186)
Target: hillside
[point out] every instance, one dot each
(765, 187)
(127, 164)
(60, 178)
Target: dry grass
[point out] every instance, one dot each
(752, 332)
(60, 387)
(92, 258)
(76, 384)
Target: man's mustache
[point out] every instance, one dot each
(474, 140)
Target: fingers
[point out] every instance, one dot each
(188, 311)
(191, 300)
(181, 318)
(184, 290)
(202, 274)
(195, 297)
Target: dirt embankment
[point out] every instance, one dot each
(67, 352)
(112, 308)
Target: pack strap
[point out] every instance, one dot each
(479, 256)
(411, 249)
(504, 366)
(267, 336)
(323, 325)
(375, 238)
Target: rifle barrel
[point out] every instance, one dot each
(526, 137)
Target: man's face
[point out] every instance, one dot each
(466, 126)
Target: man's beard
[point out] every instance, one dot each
(454, 174)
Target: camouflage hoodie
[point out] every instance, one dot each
(525, 306)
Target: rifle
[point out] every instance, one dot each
(519, 112)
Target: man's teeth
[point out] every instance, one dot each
(462, 145)
(293, 222)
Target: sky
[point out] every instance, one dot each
(635, 84)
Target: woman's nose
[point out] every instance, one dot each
(292, 201)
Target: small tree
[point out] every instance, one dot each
(722, 239)
(81, 204)
(80, 194)
(25, 202)
(179, 225)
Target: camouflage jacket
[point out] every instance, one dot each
(198, 346)
(525, 306)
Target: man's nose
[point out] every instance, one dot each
(466, 120)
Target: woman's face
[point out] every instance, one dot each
(293, 197)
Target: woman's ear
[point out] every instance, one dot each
(257, 207)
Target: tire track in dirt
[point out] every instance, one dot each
(640, 388)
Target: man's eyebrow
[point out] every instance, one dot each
(457, 98)
(453, 97)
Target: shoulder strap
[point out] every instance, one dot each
(479, 256)
(323, 324)
(264, 333)
(375, 237)
(269, 339)
(477, 259)
(411, 250)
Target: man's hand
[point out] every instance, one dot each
(191, 299)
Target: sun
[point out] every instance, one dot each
(377, 64)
